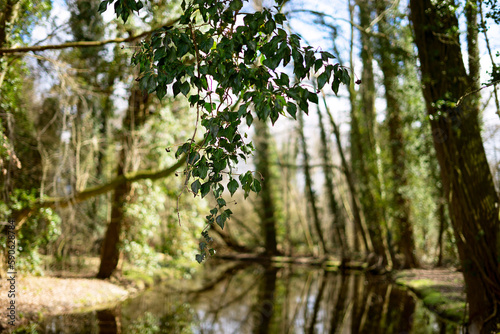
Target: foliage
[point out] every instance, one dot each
(44, 228)
(220, 54)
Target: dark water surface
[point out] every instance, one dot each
(257, 299)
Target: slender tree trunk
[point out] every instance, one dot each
(401, 202)
(311, 196)
(358, 229)
(110, 252)
(465, 173)
(363, 147)
(267, 203)
(338, 217)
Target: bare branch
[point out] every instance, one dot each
(493, 83)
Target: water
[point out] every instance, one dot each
(257, 299)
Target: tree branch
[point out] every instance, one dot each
(82, 44)
(62, 202)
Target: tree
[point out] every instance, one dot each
(267, 201)
(363, 143)
(389, 62)
(467, 180)
(310, 193)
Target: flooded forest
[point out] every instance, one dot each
(231, 166)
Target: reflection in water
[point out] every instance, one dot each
(266, 300)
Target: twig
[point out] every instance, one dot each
(476, 90)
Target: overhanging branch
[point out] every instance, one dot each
(81, 44)
(62, 202)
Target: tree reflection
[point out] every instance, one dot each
(260, 300)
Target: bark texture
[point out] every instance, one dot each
(467, 180)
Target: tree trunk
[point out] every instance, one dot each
(401, 202)
(110, 251)
(338, 217)
(267, 202)
(363, 146)
(311, 196)
(467, 180)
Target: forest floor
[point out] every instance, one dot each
(441, 290)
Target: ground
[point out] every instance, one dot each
(36, 296)
(442, 290)
(71, 288)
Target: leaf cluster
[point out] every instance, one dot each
(230, 65)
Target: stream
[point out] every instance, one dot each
(258, 299)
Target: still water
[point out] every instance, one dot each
(257, 299)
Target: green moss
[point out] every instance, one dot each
(140, 278)
(448, 304)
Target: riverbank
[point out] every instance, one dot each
(37, 297)
(441, 290)
(72, 290)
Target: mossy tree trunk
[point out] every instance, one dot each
(388, 60)
(267, 202)
(363, 143)
(467, 180)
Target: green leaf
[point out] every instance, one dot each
(185, 88)
(221, 202)
(322, 79)
(161, 91)
(335, 86)
(103, 6)
(205, 188)
(176, 88)
(232, 186)
(195, 186)
(313, 97)
(220, 220)
(183, 149)
(200, 258)
(325, 55)
(236, 5)
(202, 168)
(292, 109)
(256, 186)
